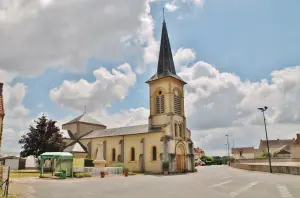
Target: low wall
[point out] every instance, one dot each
(262, 160)
(294, 170)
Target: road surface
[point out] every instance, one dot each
(208, 182)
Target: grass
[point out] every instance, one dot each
(27, 174)
(10, 195)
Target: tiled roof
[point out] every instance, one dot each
(244, 149)
(198, 150)
(129, 130)
(275, 143)
(85, 119)
(75, 147)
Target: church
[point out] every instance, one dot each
(142, 148)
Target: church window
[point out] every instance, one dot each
(132, 157)
(154, 153)
(176, 129)
(177, 103)
(113, 154)
(160, 103)
(181, 131)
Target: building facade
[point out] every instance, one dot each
(143, 147)
(243, 153)
(198, 153)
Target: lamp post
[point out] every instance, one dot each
(269, 155)
(228, 150)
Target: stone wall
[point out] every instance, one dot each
(265, 168)
(265, 160)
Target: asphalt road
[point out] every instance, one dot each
(208, 182)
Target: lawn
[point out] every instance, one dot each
(26, 173)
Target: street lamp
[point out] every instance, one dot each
(269, 155)
(228, 150)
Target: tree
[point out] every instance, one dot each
(44, 137)
(207, 160)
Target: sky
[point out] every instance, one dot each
(56, 57)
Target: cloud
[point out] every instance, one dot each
(223, 99)
(10, 140)
(13, 95)
(126, 117)
(38, 34)
(183, 57)
(171, 7)
(108, 87)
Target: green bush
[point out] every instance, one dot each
(87, 174)
(88, 163)
(118, 164)
(82, 174)
(165, 166)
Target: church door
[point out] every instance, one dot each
(180, 154)
(179, 163)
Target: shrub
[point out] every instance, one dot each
(87, 174)
(165, 166)
(125, 169)
(119, 165)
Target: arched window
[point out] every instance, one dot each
(177, 103)
(132, 157)
(160, 103)
(154, 153)
(181, 131)
(176, 129)
(113, 155)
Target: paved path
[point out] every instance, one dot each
(209, 182)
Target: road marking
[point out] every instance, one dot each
(284, 192)
(220, 184)
(243, 189)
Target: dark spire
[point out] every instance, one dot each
(165, 65)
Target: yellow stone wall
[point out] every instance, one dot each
(150, 140)
(80, 155)
(167, 86)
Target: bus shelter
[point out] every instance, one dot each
(61, 162)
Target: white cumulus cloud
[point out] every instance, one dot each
(98, 95)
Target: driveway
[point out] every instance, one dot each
(209, 182)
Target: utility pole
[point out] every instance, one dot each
(228, 150)
(269, 154)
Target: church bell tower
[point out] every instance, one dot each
(167, 93)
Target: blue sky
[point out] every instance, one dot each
(247, 38)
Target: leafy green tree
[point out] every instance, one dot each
(43, 137)
(217, 160)
(207, 160)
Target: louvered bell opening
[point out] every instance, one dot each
(162, 104)
(157, 105)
